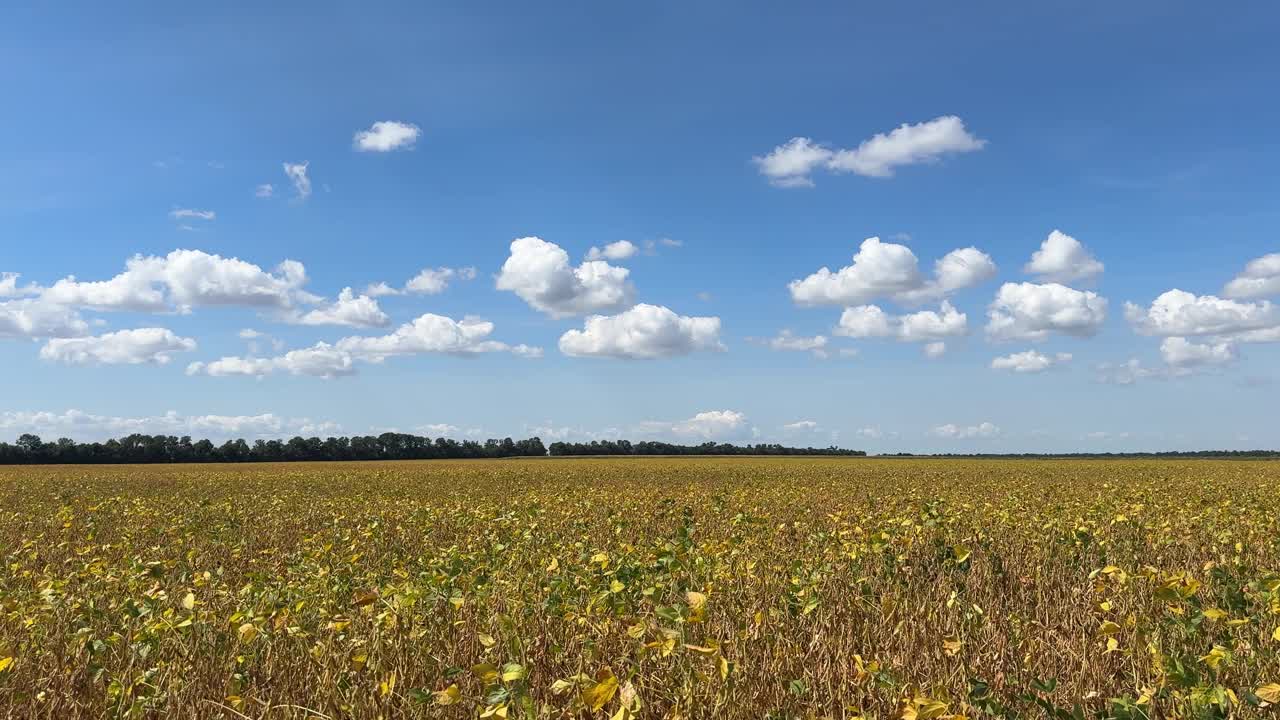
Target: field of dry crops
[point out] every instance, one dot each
(693, 588)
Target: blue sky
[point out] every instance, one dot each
(1145, 134)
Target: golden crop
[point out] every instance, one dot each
(629, 588)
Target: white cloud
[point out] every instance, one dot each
(381, 289)
(926, 326)
(540, 274)
(387, 135)
(870, 433)
(1062, 259)
(80, 425)
(787, 341)
(36, 318)
(250, 334)
(791, 164)
(620, 250)
(670, 242)
(958, 432)
(433, 334)
(1261, 277)
(434, 281)
(320, 360)
(709, 426)
(1178, 352)
(297, 174)
(1181, 313)
(439, 429)
(1128, 372)
(934, 350)
(184, 279)
(643, 332)
(1030, 361)
(1027, 311)
(9, 286)
(802, 426)
(889, 270)
(264, 190)
(124, 347)
(349, 310)
(191, 214)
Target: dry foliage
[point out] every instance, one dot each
(694, 588)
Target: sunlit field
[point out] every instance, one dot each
(629, 588)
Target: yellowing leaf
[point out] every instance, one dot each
(5, 664)
(189, 602)
(960, 553)
(1276, 635)
(247, 632)
(1269, 692)
(448, 696)
(601, 692)
(486, 640)
(1108, 628)
(951, 645)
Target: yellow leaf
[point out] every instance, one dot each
(961, 553)
(448, 696)
(1276, 635)
(554, 565)
(487, 672)
(725, 668)
(951, 645)
(5, 664)
(1214, 614)
(1112, 645)
(189, 602)
(1108, 628)
(388, 686)
(247, 632)
(600, 693)
(486, 640)
(1269, 692)
(697, 605)
(624, 713)
(616, 587)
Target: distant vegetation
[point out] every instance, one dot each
(137, 448)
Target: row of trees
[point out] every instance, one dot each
(626, 447)
(137, 448)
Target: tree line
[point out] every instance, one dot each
(139, 448)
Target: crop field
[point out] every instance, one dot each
(642, 588)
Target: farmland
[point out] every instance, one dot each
(725, 588)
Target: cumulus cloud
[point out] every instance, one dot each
(789, 342)
(37, 318)
(433, 334)
(951, 431)
(709, 426)
(184, 279)
(1062, 259)
(1181, 313)
(927, 326)
(432, 281)
(792, 163)
(387, 135)
(1179, 352)
(1030, 361)
(9, 286)
(620, 250)
(349, 310)
(1028, 311)
(643, 332)
(428, 334)
(297, 174)
(80, 425)
(124, 347)
(890, 270)
(1261, 277)
(539, 272)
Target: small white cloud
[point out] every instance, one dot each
(889, 270)
(927, 326)
(958, 432)
(1030, 361)
(349, 310)
(1178, 352)
(539, 273)
(1181, 313)
(802, 426)
(870, 433)
(1261, 277)
(644, 332)
(192, 214)
(1062, 259)
(431, 281)
(320, 360)
(124, 347)
(1027, 311)
(264, 190)
(934, 350)
(381, 289)
(297, 174)
(709, 426)
(787, 341)
(387, 135)
(620, 250)
(792, 164)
